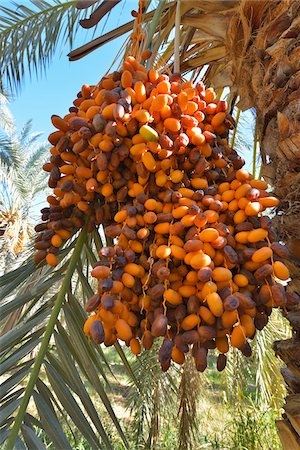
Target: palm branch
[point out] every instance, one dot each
(154, 400)
(7, 122)
(6, 150)
(50, 327)
(8, 155)
(31, 33)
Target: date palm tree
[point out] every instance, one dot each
(252, 48)
(8, 157)
(21, 180)
(244, 46)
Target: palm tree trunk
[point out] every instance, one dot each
(266, 70)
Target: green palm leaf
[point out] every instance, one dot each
(50, 422)
(64, 362)
(30, 35)
(268, 377)
(6, 151)
(7, 122)
(31, 439)
(9, 153)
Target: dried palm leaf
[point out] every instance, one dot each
(105, 7)
(84, 4)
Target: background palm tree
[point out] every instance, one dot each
(21, 180)
(247, 47)
(8, 157)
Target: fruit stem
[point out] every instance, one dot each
(235, 130)
(177, 38)
(255, 150)
(154, 22)
(45, 342)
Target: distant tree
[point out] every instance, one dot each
(21, 180)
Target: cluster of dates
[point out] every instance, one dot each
(193, 259)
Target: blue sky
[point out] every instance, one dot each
(54, 91)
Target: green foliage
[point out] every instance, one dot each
(155, 398)
(31, 33)
(63, 368)
(252, 428)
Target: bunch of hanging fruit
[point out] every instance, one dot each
(193, 259)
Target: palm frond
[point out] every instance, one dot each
(270, 388)
(30, 35)
(259, 376)
(36, 181)
(14, 156)
(25, 132)
(203, 33)
(113, 34)
(7, 122)
(59, 372)
(154, 399)
(10, 156)
(6, 151)
(36, 157)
